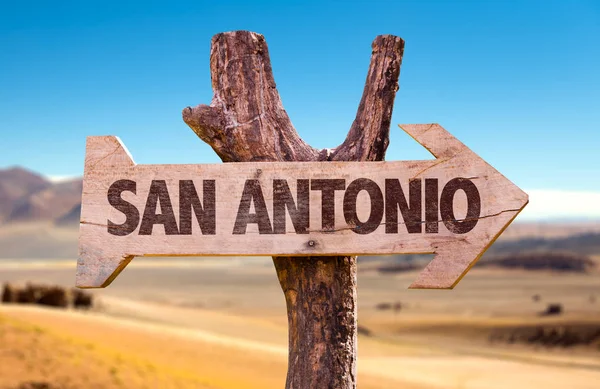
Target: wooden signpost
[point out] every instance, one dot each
(291, 209)
(313, 215)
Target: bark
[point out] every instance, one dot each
(246, 122)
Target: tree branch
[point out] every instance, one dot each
(246, 122)
(368, 137)
(246, 108)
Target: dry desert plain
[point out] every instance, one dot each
(220, 323)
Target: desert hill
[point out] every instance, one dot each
(52, 203)
(556, 261)
(26, 196)
(584, 244)
(15, 184)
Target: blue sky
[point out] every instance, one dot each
(518, 82)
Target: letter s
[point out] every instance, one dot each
(131, 212)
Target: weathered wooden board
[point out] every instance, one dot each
(455, 206)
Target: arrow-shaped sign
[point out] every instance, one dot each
(454, 206)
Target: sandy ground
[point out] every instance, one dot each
(221, 323)
(135, 353)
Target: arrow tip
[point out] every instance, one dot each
(439, 142)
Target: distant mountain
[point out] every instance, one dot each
(549, 229)
(582, 244)
(26, 196)
(556, 261)
(48, 204)
(15, 184)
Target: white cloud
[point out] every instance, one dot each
(56, 179)
(545, 204)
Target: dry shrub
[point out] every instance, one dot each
(54, 296)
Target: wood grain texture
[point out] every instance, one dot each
(308, 233)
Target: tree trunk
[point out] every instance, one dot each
(246, 122)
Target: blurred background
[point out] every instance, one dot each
(517, 82)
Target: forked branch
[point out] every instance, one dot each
(246, 122)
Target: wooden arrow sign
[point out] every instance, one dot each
(454, 206)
